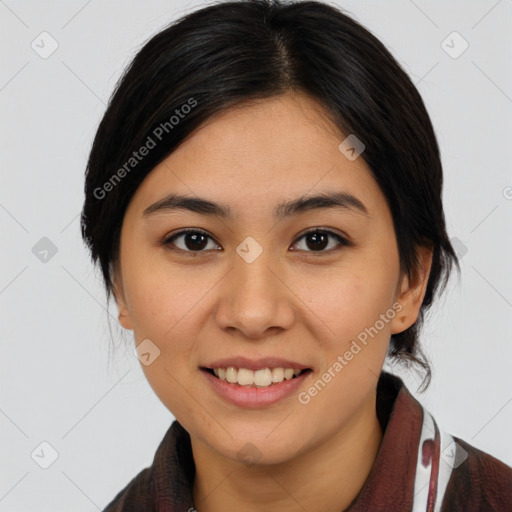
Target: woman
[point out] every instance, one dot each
(263, 196)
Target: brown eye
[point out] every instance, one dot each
(196, 241)
(316, 240)
(193, 240)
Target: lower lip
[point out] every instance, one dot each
(254, 397)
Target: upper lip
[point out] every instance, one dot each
(256, 364)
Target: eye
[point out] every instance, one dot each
(196, 240)
(318, 239)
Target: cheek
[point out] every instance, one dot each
(161, 299)
(163, 308)
(350, 299)
(357, 306)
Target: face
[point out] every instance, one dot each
(316, 289)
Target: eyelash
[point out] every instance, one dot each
(168, 241)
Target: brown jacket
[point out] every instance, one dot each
(418, 468)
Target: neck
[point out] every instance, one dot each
(327, 477)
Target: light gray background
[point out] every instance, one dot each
(103, 419)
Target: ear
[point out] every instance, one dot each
(120, 298)
(411, 291)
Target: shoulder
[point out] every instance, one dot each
(165, 484)
(136, 495)
(480, 483)
(466, 478)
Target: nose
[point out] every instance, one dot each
(256, 299)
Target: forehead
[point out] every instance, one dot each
(254, 156)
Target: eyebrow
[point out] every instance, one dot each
(202, 206)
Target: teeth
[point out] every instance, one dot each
(231, 374)
(245, 377)
(261, 378)
(277, 375)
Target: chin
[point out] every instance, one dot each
(258, 447)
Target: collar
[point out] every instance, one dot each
(409, 473)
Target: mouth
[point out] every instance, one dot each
(259, 378)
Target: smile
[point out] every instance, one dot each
(262, 378)
(255, 388)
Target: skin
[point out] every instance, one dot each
(303, 304)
